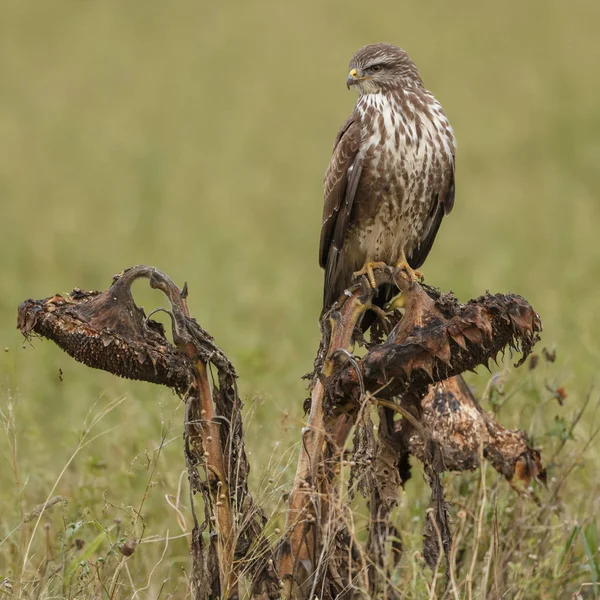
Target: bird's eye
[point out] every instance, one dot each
(376, 68)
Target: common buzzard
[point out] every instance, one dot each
(391, 177)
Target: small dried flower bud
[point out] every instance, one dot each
(128, 548)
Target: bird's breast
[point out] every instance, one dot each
(406, 140)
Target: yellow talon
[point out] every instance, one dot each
(368, 271)
(413, 274)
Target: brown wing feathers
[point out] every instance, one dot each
(442, 207)
(341, 181)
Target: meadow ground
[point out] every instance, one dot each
(194, 137)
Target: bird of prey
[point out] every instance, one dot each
(391, 177)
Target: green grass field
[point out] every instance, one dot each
(194, 137)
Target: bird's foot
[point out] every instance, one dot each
(368, 271)
(411, 274)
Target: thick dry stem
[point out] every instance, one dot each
(209, 430)
(303, 494)
(301, 539)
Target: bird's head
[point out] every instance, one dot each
(380, 67)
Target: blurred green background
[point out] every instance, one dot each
(193, 136)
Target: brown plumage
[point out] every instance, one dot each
(391, 177)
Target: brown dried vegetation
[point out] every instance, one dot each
(411, 369)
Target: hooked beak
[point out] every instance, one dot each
(352, 78)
